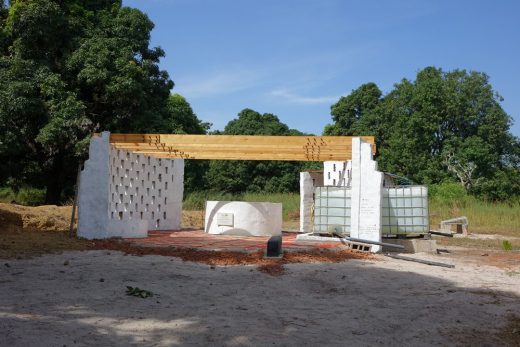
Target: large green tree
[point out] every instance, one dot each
(253, 176)
(70, 68)
(441, 126)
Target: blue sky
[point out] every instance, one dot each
(296, 58)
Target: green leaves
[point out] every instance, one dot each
(136, 291)
(255, 176)
(68, 69)
(442, 126)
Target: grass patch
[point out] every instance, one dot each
(484, 217)
(476, 243)
(506, 245)
(25, 196)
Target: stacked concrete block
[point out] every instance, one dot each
(126, 194)
(337, 173)
(366, 194)
(146, 188)
(306, 202)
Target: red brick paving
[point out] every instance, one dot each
(198, 239)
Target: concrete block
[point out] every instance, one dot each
(412, 245)
(337, 173)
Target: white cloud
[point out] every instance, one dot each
(300, 99)
(220, 83)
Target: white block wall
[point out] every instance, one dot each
(306, 202)
(366, 191)
(122, 194)
(366, 194)
(146, 188)
(337, 173)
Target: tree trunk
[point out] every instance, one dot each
(53, 193)
(55, 183)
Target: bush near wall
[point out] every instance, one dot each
(25, 196)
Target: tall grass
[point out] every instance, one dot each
(450, 200)
(484, 217)
(446, 201)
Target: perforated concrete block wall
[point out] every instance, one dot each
(146, 188)
(122, 194)
(337, 173)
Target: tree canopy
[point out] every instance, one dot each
(441, 126)
(254, 176)
(70, 68)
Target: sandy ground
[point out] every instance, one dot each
(78, 298)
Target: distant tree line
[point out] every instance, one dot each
(70, 68)
(443, 126)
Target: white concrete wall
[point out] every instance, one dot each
(306, 202)
(366, 194)
(146, 188)
(248, 218)
(93, 190)
(125, 195)
(337, 173)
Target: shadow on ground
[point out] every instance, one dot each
(78, 299)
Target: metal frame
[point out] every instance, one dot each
(399, 223)
(394, 222)
(323, 226)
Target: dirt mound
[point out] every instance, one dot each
(193, 219)
(57, 218)
(40, 218)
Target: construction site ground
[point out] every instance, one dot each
(60, 291)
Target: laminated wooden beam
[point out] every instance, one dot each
(239, 147)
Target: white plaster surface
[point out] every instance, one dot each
(337, 173)
(249, 218)
(366, 195)
(93, 191)
(123, 194)
(306, 202)
(146, 188)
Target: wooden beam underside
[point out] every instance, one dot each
(239, 147)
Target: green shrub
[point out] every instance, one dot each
(31, 196)
(506, 245)
(6, 195)
(448, 192)
(25, 196)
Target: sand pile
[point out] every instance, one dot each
(40, 218)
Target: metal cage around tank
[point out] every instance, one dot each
(404, 210)
(332, 210)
